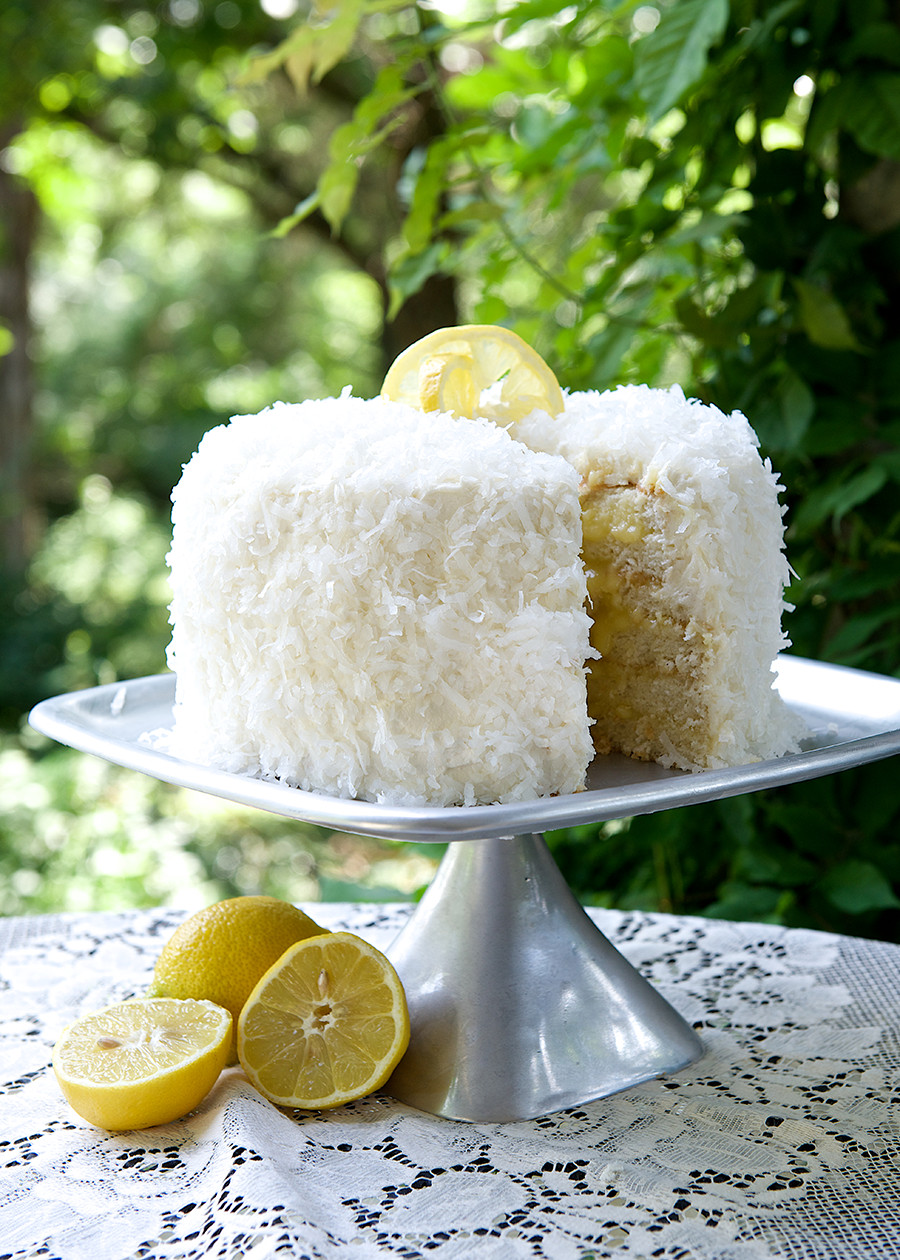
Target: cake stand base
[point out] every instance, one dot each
(519, 1005)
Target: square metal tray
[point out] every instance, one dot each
(852, 716)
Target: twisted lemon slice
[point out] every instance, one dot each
(474, 370)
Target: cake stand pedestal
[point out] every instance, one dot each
(519, 1005)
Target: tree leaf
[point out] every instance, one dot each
(823, 318)
(313, 49)
(412, 270)
(854, 633)
(797, 405)
(743, 903)
(835, 499)
(361, 135)
(759, 32)
(672, 58)
(871, 113)
(857, 887)
(857, 490)
(888, 460)
(867, 106)
(879, 41)
(300, 212)
(427, 196)
(336, 188)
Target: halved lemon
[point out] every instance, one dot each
(326, 1024)
(474, 370)
(143, 1062)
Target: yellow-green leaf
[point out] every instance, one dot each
(313, 49)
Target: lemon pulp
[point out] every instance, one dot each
(327, 1023)
(143, 1062)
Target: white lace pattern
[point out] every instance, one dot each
(783, 1141)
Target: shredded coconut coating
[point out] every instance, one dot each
(373, 604)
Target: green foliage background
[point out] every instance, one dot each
(701, 191)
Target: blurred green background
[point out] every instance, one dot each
(208, 205)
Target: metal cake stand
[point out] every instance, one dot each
(519, 1005)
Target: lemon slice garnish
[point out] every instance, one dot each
(143, 1062)
(474, 370)
(326, 1024)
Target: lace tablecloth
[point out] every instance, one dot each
(783, 1141)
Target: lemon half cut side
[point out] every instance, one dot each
(142, 1062)
(474, 370)
(327, 1024)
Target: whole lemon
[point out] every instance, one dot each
(221, 951)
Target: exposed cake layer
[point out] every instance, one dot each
(683, 547)
(375, 605)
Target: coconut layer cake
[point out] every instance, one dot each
(374, 605)
(683, 550)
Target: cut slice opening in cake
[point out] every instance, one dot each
(686, 572)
